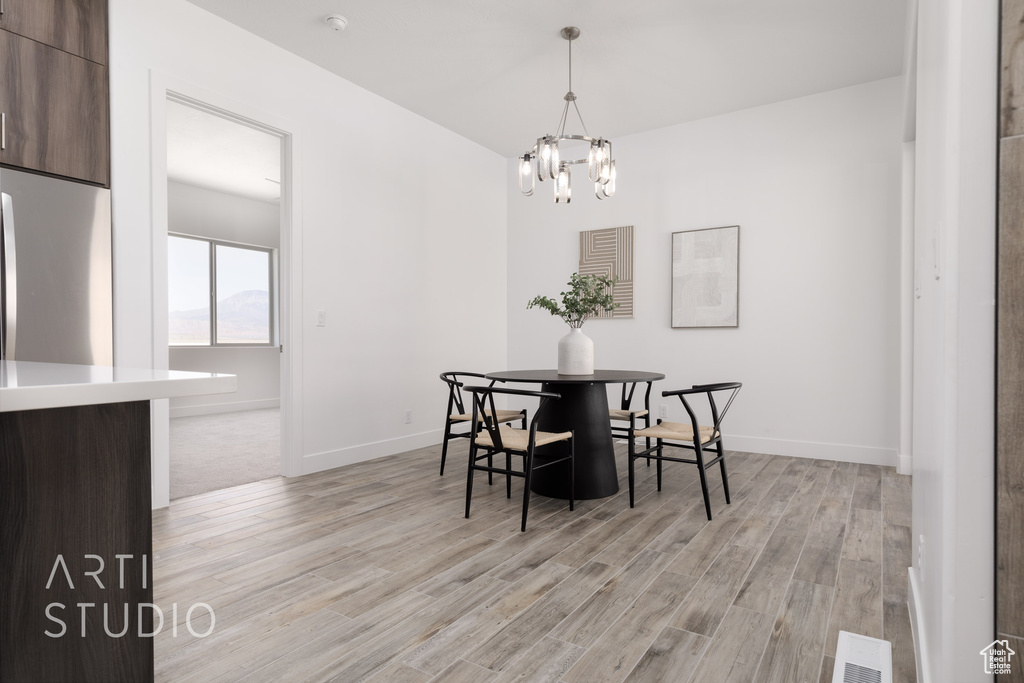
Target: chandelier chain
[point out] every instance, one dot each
(580, 117)
(570, 96)
(570, 65)
(562, 120)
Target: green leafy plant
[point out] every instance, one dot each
(588, 296)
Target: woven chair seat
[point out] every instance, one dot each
(624, 414)
(503, 416)
(519, 439)
(676, 431)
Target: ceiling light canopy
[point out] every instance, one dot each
(544, 161)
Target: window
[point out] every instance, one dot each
(219, 293)
(188, 290)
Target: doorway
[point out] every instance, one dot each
(224, 226)
(223, 242)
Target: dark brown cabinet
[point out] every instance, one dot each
(56, 116)
(76, 486)
(75, 26)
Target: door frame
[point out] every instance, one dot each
(163, 88)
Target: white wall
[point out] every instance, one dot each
(814, 184)
(396, 215)
(258, 371)
(204, 212)
(208, 213)
(954, 336)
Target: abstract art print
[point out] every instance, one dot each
(705, 277)
(610, 252)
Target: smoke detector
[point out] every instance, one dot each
(336, 22)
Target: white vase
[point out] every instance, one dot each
(575, 354)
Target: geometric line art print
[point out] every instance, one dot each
(705, 277)
(610, 252)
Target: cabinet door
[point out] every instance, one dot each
(75, 26)
(56, 111)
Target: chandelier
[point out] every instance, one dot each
(544, 162)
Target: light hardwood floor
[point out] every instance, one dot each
(371, 572)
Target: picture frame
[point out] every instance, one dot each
(609, 252)
(705, 277)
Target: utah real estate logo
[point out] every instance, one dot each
(997, 657)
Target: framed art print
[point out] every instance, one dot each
(705, 277)
(610, 252)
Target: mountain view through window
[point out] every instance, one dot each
(242, 287)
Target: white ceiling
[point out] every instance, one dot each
(220, 154)
(495, 71)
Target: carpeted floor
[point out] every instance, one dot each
(211, 452)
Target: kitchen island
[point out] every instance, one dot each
(75, 518)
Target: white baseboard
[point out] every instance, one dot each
(232, 407)
(917, 627)
(820, 451)
(317, 462)
(865, 455)
(905, 464)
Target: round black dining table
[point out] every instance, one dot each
(582, 409)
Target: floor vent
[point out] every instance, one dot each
(860, 659)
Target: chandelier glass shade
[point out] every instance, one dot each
(545, 161)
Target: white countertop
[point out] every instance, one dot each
(31, 386)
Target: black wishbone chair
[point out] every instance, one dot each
(694, 436)
(495, 437)
(626, 414)
(457, 413)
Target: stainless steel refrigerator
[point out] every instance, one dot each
(56, 295)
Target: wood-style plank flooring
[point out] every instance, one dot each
(371, 572)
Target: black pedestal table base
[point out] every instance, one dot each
(583, 409)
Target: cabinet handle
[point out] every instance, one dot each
(3, 127)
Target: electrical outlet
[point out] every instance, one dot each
(663, 411)
(408, 416)
(321, 318)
